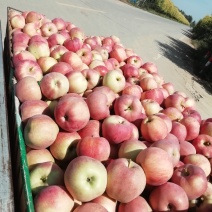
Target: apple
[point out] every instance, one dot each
(28, 68)
(189, 177)
(206, 127)
(169, 87)
(129, 70)
(18, 47)
(153, 128)
(103, 51)
(17, 21)
(92, 129)
(167, 120)
(30, 108)
(20, 37)
(58, 51)
(69, 25)
(148, 83)
(48, 29)
(118, 53)
(198, 160)
(59, 23)
(102, 70)
(129, 107)
(116, 129)
(37, 38)
(67, 112)
(23, 55)
(54, 85)
(192, 127)
(150, 67)
(156, 94)
(98, 105)
(30, 85)
(157, 165)
(56, 39)
(179, 130)
(134, 90)
(76, 32)
(39, 49)
(64, 33)
(85, 178)
(32, 29)
(115, 80)
(54, 197)
(131, 175)
(169, 196)
(92, 76)
(46, 63)
(85, 55)
(203, 145)
(77, 82)
(40, 131)
(130, 149)
(186, 148)
(193, 113)
(72, 59)
(94, 147)
(45, 174)
(73, 44)
(64, 147)
(173, 113)
(134, 60)
(61, 67)
(36, 156)
(90, 206)
(33, 17)
(150, 106)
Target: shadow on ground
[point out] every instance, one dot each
(184, 56)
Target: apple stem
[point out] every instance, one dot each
(185, 172)
(207, 143)
(129, 162)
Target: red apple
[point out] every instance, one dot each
(59, 23)
(61, 67)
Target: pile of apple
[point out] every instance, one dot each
(103, 130)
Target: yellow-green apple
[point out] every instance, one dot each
(58, 51)
(59, 23)
(148, 83)
(98, 105)
(190, 177)
(115, 80)
(206, 127)
(116, 129)
(67, 112)
(186, 148)
(26, 68)
(72, 59)
(92, 76)
(17, 21)
(45, 174)
(30, 85)
(55, 39)
(23, 55)
(54, 198)
(134, 60)
(77, 82)
(203, 145)
(150, 67)
(107, 202)
(73, 44)
(85, 178)
(92, 128)
(169, 196)
(77, 32)
(157, 165)
(169, 87)
(85, 55)
(46, 63)
(54, 85)
(198, 160)
(40, 131)
(90, 206)
(118, 53)
(20, 37)
(171, 146)
(167, 120)
(153, 128)
(39, 49)
(130, 148)
(48, 29)
(192, 127)
(175, 100)
(134, 90)
(179, 130)
(35, 156)
(94, 147)
(129, 107)
(30, 108)
(156, 94)
(139, 204)
(129, 70)
(173, 113)
(132, 176)
(64, 147)
(32, 29)
(61, 67)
